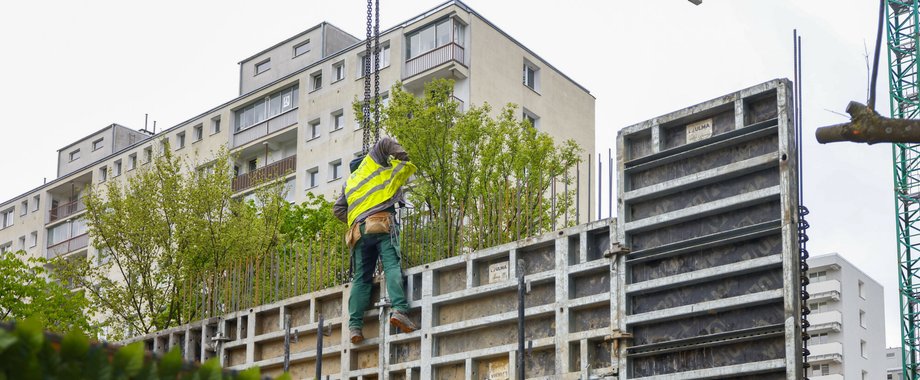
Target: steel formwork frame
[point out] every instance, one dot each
(903, 30)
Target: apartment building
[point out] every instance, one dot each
(893, 363)
(847, 321)
(293, 115)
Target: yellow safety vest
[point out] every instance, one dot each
(373, 184)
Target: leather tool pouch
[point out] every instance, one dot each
(378, 223)
(352, 236)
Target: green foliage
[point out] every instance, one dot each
(166, 233)
(482, 179)
(27, 353)
(26, 292)
(311, 220)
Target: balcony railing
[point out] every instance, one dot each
(67, 246)
(459, 103)
(827, 320)
(825, 289)
(65, 210)
(443, 54)
(267, 127)
(266, 173)
(832, 351)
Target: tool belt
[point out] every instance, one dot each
(377, 223)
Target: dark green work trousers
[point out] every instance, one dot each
(364, 260)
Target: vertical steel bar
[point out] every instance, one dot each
(520, 351)
(609, 183)
(589, 188)
(600, 185)
(287, 342)
(319, 347)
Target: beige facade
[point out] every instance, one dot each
(296, 114)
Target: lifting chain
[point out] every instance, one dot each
(372, 7)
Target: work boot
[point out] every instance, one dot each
(402, 321)
(356, 336)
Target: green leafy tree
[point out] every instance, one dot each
(27, 292)
(28, 353)
(482, 179)
(168, 236)
(311, 220)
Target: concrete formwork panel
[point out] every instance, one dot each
(708, 205)
(467, 306)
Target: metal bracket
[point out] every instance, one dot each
(617, 249)
(617, 336)
(383, 302)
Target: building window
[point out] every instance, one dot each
(24, 207)
(817, 276)
(6, 218)
(97, 145)
(132, 161)
(197, 133)
(338, 120)
(434, 36)
(263, 66)
(312, 178)
(253, 165)
(103, 174)
(116, 168)
(861, 287)
(862, 349)
(302, 48)
(33, 239)
(35, 202)
(148, 154)
(531, 76)
(817, 307)
(384, 58)
(75, 155)
(180, 140)
(314, 129)
(862, 319)
(338, 71)
(335, 170)
(21, 243)
(215, 125)
(818, 338)
(6, 247)
(316, 81)
(263, 109)
(821, 369)
(533, 119)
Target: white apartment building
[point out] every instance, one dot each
(893, 363)
(847, 321)
(293, 115)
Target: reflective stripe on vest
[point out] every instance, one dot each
(372, 184)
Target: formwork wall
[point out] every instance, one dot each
(466, 306)
(708, 205)
(697, 278)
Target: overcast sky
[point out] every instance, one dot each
(72, 67)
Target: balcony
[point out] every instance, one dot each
(67, 246)
(265, 128)
(826, 377)
(832, 351)
(63, 211)
(426, 61)
(825, 289)
(266, 173)
(828, 320)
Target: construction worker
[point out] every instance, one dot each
(368, 204)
